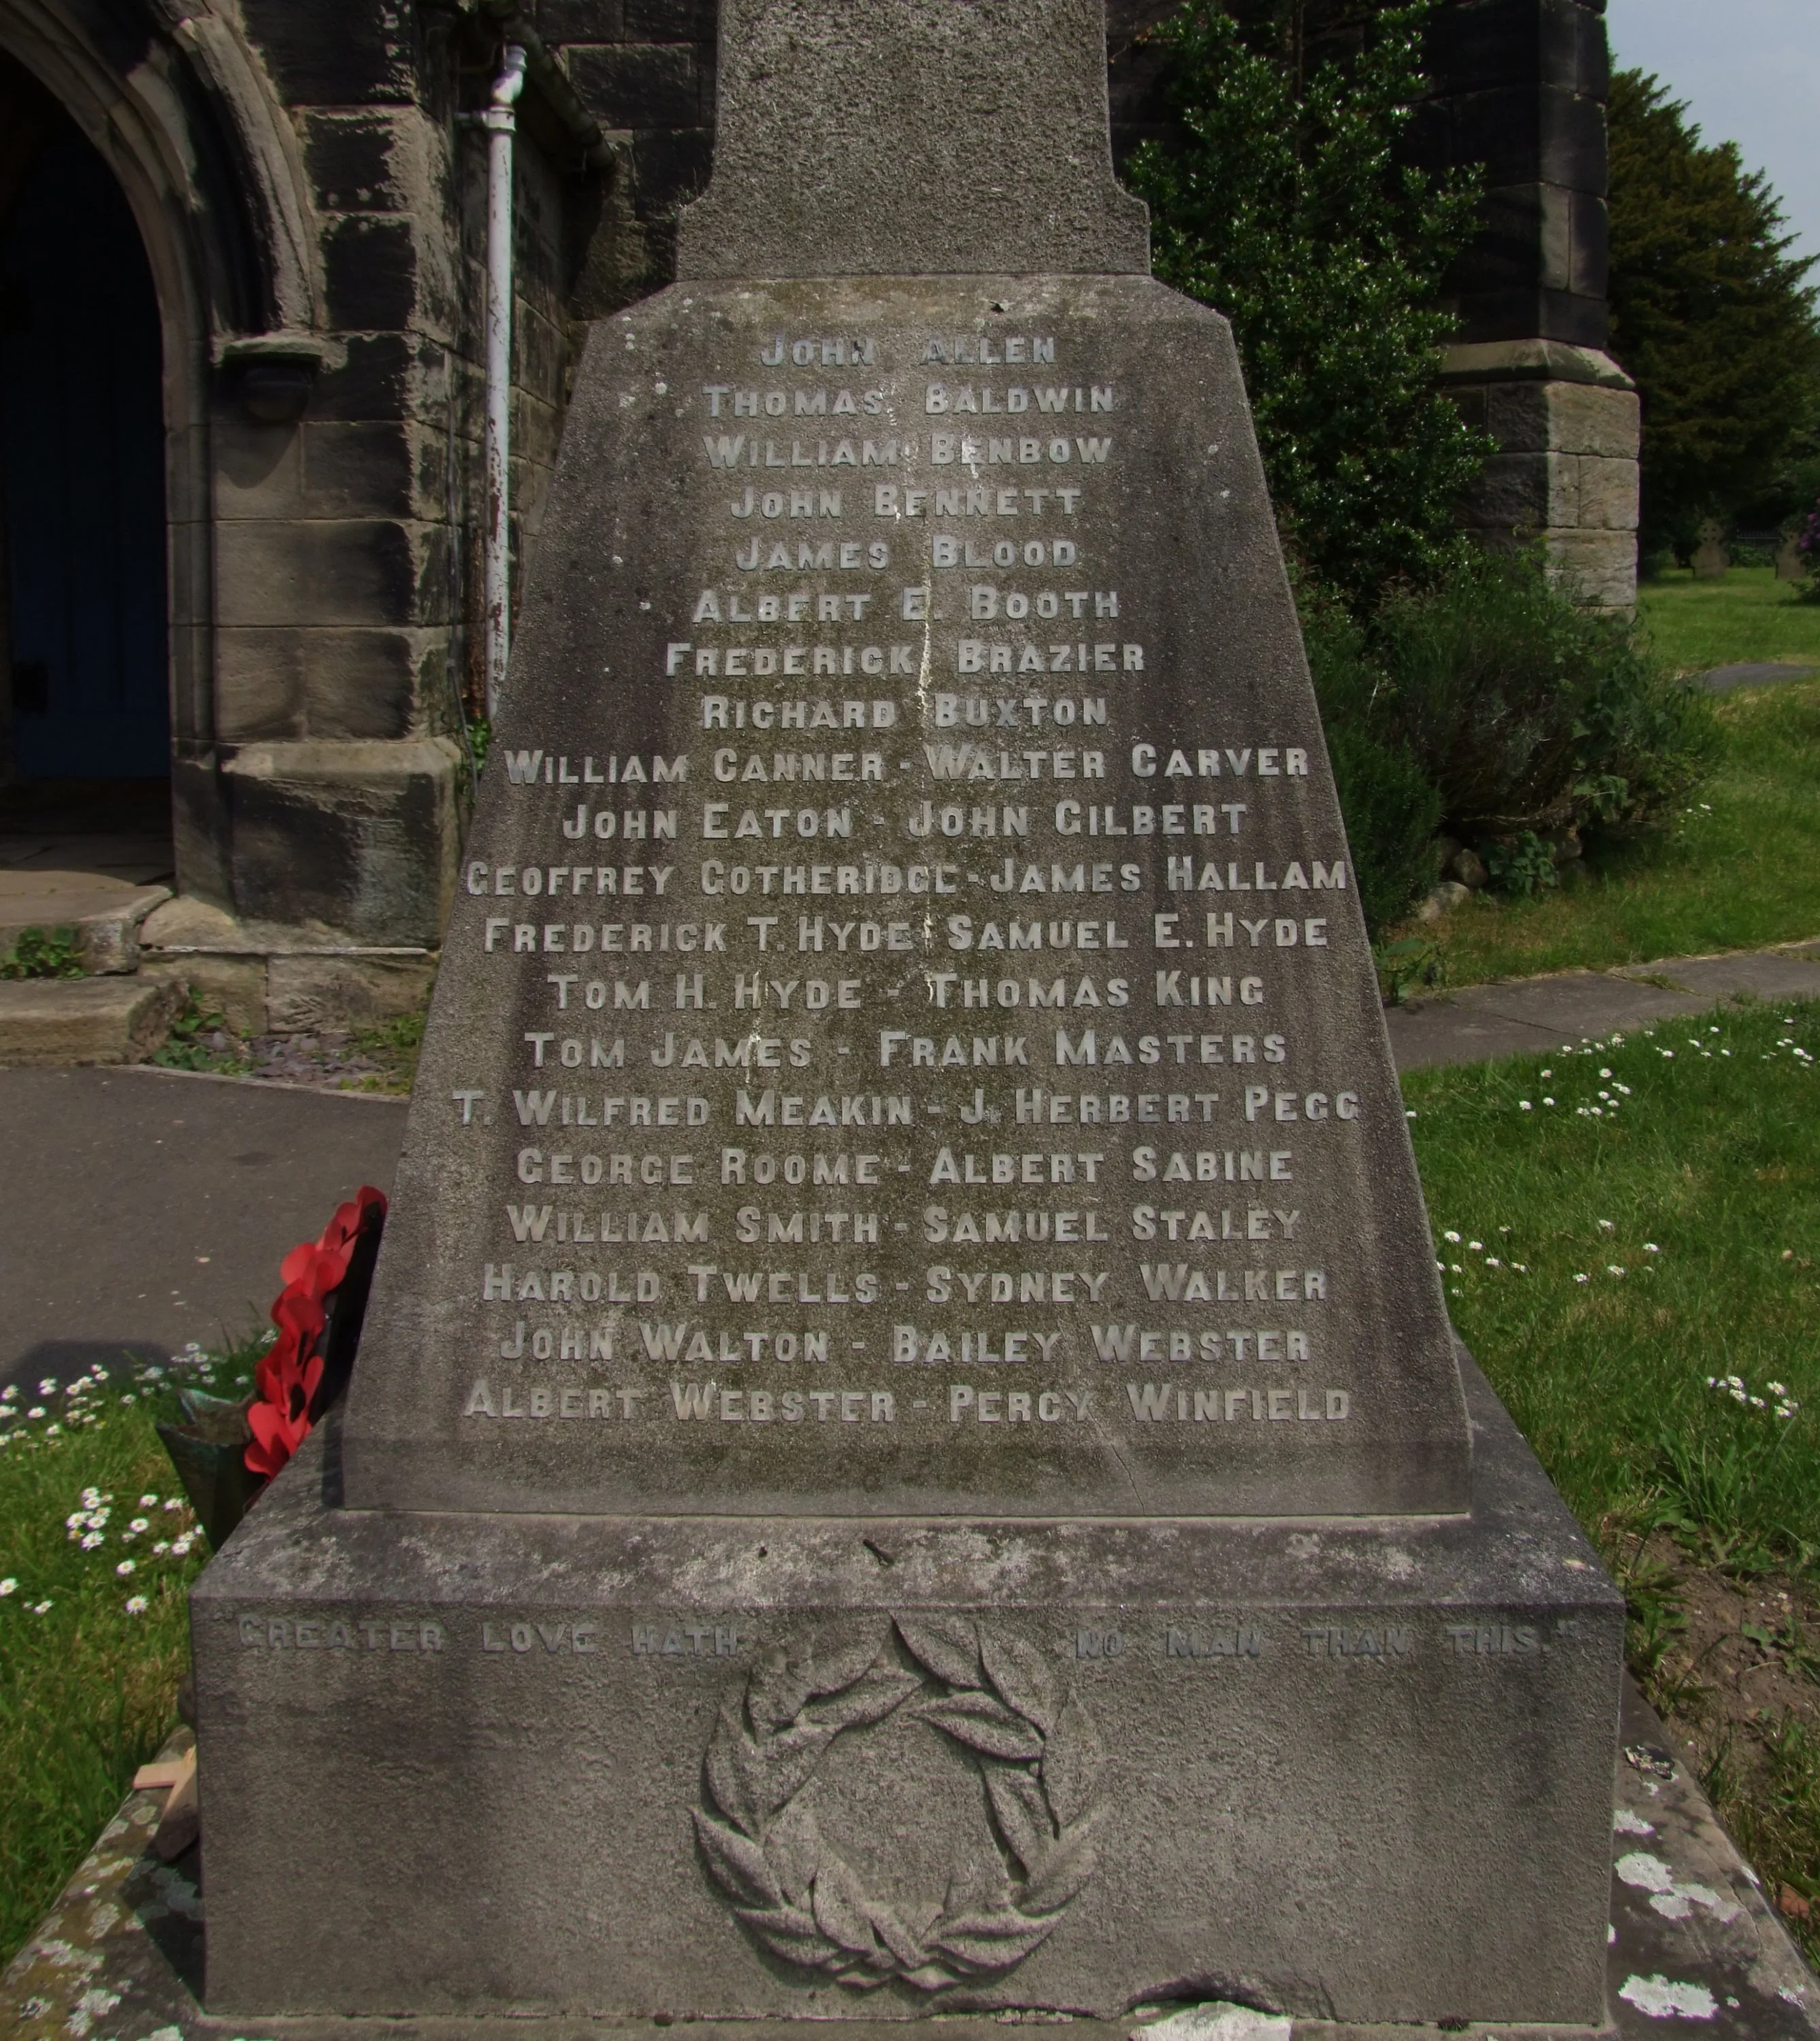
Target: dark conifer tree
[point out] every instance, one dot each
(1710, 312)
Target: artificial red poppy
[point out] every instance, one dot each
(290, 1371)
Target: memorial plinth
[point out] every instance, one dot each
(907, 1453)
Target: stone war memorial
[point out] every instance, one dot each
(908, 1455)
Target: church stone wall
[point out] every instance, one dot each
(322, 771)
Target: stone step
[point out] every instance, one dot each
(107, 1020)
(104, 912)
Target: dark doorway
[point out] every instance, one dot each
(83, 658)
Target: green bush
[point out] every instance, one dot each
(1495, 706)
(1529, 713)
(1391, 809)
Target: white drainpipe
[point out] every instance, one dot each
(500, 120)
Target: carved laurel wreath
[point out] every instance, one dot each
(1039, 1755)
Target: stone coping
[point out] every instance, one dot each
(1530, 360)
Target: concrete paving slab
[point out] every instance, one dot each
(1790, 973)
(1543, 1014)
(1723, 680)
(1694, 1948)
(140, 1209)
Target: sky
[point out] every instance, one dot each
(1749, 70)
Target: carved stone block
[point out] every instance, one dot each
(628, 1768)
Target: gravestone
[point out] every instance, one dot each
(1791, 561)
(1710, 558)
(908, 1455)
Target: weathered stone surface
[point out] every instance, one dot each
(979, 147)
(1601, 566)
(1566, 420)
(102, 915)
(306, 992)
(133, 1928)
(47, 1021)
(360, 837)
(1528, 492)
(1609, 494)
(1591, 418)
(234, 987)
(1217, 1049)
(906, 1436)
(1315, 1760)
(1563, 417)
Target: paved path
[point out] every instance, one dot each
(141, 1208)
(1539, 1013)
(1722, 679)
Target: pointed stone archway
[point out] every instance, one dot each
(174, 101)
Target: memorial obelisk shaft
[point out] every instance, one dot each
(906, 950)
(907, 1454)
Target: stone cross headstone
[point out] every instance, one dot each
(1711, 558)
(907, 1439)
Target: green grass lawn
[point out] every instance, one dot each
(1631, 1241)
(94, 1630)
(1739, 869)
(1650, 1218)
(1749, 616)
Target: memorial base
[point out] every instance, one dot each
(872, 1769)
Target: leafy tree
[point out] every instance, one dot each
(1709, 313)
(1285, 205)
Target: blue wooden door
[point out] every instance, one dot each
(81, 437)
